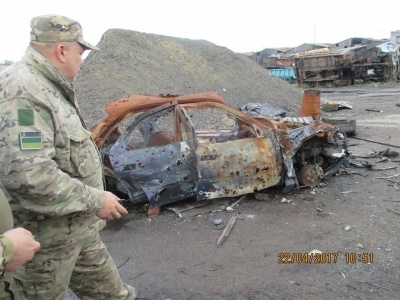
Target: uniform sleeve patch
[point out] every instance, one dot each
(25, 117)
(31, 140)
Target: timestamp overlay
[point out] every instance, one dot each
(325, 258)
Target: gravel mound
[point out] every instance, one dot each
(132, 62)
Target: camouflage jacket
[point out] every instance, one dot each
(6, 252)
(6, 245)
(6, 219)
(48, 163)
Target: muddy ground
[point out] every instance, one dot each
(354, 213)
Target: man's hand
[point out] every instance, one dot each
(25, 247)
(111, 209)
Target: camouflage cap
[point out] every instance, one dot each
(55, 28)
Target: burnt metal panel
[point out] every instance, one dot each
(166, 173)
(237, 167)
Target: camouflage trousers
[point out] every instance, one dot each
(84, 265)
(5, 293)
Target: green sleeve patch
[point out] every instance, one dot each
(25, 117)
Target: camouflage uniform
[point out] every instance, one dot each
(6, 245)
(6, 219)
(52, 170)
(6, 253)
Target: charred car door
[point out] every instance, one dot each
(148, 156)
(234, 157)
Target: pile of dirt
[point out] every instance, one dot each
(132, 62)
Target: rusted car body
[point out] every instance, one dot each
(166, 148)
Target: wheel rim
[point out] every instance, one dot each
(311, 175)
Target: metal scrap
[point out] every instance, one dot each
(380, 143)
(237, 202)
(227, 229)
(255, 109)
(374, 110)
(384, 169)
(194, 208)
(336, 105)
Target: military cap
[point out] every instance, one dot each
(55, 28)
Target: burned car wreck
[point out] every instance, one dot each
(163, 149)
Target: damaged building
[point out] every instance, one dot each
(340, 64)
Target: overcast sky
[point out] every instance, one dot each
(241, 26)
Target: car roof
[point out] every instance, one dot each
(119, 109)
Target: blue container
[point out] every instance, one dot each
(284, 73)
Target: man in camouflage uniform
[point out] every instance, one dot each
(52, 170)
(17, 246)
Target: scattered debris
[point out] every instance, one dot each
(237, 202)
(359, 245)
(352, 115)
(217, 222)
(153, 211)
(391, 180)
(347, 227)
(346, 125)
(347, 192)
(374, 110)
(284, 200)
(383, 159)
(264, 109)
(227, 229)
(356, 173)
(388, 177)
(388, 153)
(314, 252)
(316, 205)
(319, 190)
(384, 155)
(371, 141)
(336, 105)
(250, 216)
(397, 213)
(193, 208)
(360, 163)
(384, 169)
